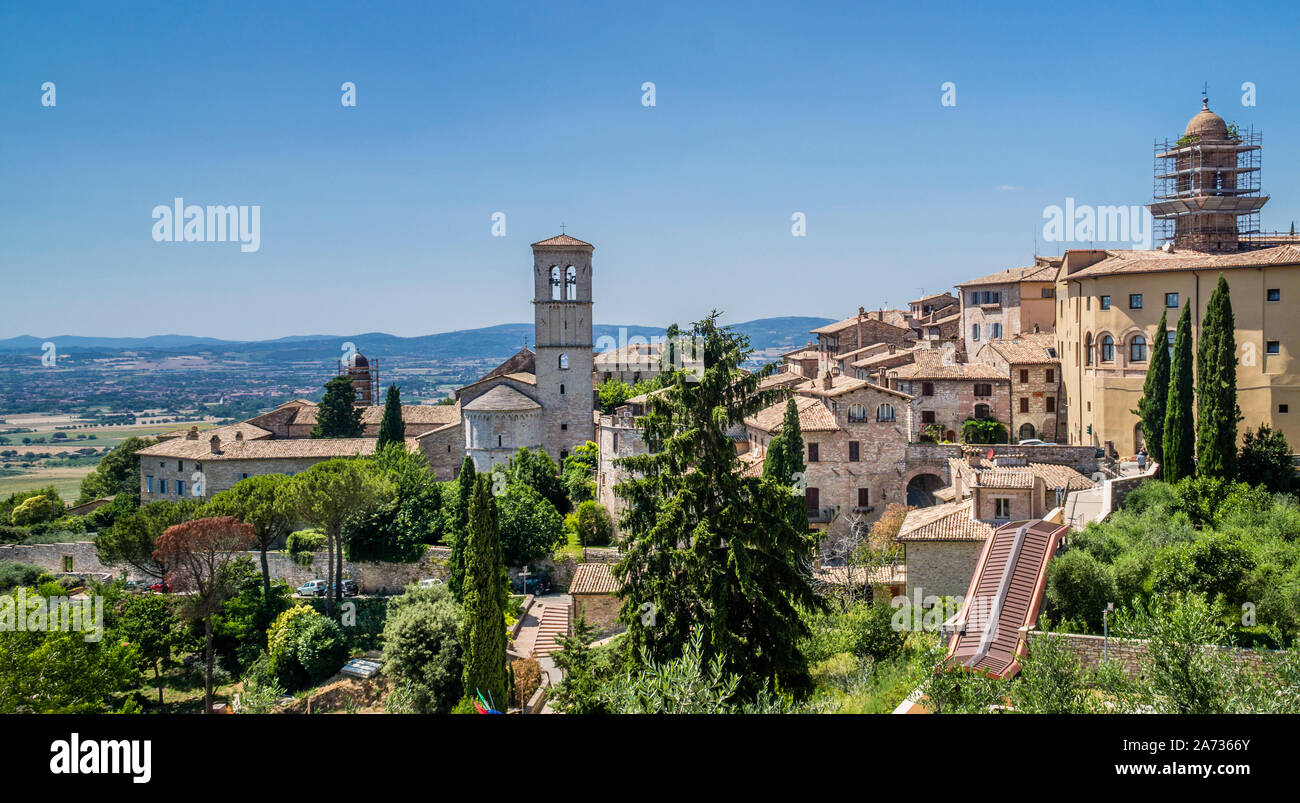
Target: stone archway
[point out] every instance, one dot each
(1026, 431)
(921, 489)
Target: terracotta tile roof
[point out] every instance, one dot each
(593, 578)
(249, 431)
(779, 379)
(263, 449)
(502, 398)
(1032, 273)
(1027, 349)
(932, 297)
(414, 414)
(930, 364)
(990, 475)
(633, 355)
(561, 241)
(1119, 262)
(893, 317)
(949, 522)
(813, 416)
(841, 384)
(891, 574)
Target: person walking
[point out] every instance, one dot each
(1142, 459)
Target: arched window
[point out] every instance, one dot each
(1137, 349)
(564, 362)
(555, 282)
(857, 412)
(1107, 349)
(981, 411)
(1087, 349)
(885, 413)
(571, 283)
(561, 388)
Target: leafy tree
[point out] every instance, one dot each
(37, 510)
(709, 549)
(148, 622)
(14, 574)
(117, 474)
(327, 495)
(578, 691)
(304, 648)
(391, 428)
(1217, 412)
(538, 471)
(265, 502)
(1179, 675)
(1051, 681)
(1265, 459)
(1179, 431)
(8, 505)
(465, 483)
(1078, 589)
(60, 672)
(400, 526)
(529, 526)
(132, 538)
(1155, 394)
(198, 555)
(484, 634)
(337, 416)
(239, 627)
(983, 430)
(579, 472)
(422, 646)
(612, 393)
(594, 525)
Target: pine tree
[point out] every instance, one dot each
(1155, 394)
(456, 562)
(484, 632)
(711, 550)
(391, 428)
(338, 416)
(1179, 430)
(1217, 412)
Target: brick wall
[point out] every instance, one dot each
(1131, 653)
(601, 611)
(941, 568)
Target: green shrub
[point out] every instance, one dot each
(1079, 588)
(593, 524)
(302, 543)
(422, 647)
(304, 648)
(14, 575)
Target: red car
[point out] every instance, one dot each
(160, 587)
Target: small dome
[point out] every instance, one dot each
(1206, 124)
(361, 362)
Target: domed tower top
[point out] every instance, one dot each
(1206, 125)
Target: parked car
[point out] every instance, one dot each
(311, 588)
(136, 585)
(350, 588)
(535, 585)
(430, 582)
(1032, 442)
(160, 587)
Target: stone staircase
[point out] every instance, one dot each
(554, 624)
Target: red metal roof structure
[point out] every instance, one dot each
(1004, 598)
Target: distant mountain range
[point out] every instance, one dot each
(765, 335)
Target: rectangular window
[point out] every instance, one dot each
(162, 486)
(853, 451)
(1024, 376)
(974, 331)
(1274, 294)
(1273, 347)
(245, 475)
(1105, 302)
(983, 389)
(148, 484)
(1051, 375)
(1171, 300)
(180, 487)
(67, 563)
(1049, 292)
(927, 388)
(1024, 404)
(1051, 404)
(812, 499)
(812, 453)
(974, 298)
(995, 331)
(927, 416)
(1284, 408)
(564, 427)
(864, 497)
(180, 465)
(1135, 301)
(1002, 508)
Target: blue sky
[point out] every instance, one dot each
(378, 217)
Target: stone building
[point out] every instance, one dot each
(618, 436)
(1032, 365)
(864, 329)
(594, 595)
(949, 390)
(855, 443)
(1008, 303)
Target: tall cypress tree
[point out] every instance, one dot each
(1217, 412)
(1179, 429)
(460, 525)
(711, 550)
(484, 631)
(391, 428)
(1155, 394)
(785, 451)
(337, 415)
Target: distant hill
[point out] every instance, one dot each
(765, 334)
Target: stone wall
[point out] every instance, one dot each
(941, 568)
(51, 558)
(600, 610)
(1131, 653)
(1081, 458)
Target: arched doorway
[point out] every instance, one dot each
(921, 488)
(1026, 431)
(1139, 442)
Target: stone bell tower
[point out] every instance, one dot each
(563, 342)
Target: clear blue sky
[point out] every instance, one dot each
(379, 217)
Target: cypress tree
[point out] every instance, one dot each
(484, 631)
(1217, 413)
(785, 451)
(1155, 394)
(337, 415)
(1179, 430)
(456, 563)
(391, 428)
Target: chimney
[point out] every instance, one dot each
(239, 436)
(827, 382)
(215, 444)
(973, 457)
(193, 434)
(892, 347)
